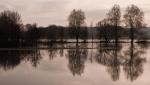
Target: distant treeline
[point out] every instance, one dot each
(59, 32)
(12, 29)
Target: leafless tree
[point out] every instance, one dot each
(76, 20)
(10, 25)
(112, 19)
(134, 17)
(114, 15)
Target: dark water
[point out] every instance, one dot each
(77, 64)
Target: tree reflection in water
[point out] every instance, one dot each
(133, 66)
(108, 56)
(54, 49)
(77, 57)
(111, 55)
(9, 59)
(33, 56)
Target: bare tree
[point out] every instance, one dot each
(114, 15)
(76, 18)
(134, 17)
(10, 25)
(112, 20)
(11, 16)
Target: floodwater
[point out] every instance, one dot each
(77, 64)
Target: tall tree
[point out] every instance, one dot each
(10, 25)
(76, 20)
(134, 17)
(112, 20)
(114, 15)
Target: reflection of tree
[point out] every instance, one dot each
(133, 66)
(52, 53)
(108, 56)
(9, 59)
(12, 58)
(53, 49)
(77, 59)
(61, 50)
(33, 56)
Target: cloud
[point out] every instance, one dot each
(2, 7)
(93, 16)
(46, 12)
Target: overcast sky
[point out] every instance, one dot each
(46, 12)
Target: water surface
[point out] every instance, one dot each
(77, 64)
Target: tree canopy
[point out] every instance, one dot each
(134, 17)
(76, 18)
(10, 25)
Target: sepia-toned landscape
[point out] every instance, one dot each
(74, 42)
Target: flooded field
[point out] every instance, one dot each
(76, 64)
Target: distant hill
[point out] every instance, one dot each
(59, 32)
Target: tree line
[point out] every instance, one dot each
(132, 18)
(13, 29)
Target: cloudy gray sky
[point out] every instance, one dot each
(46, 12)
